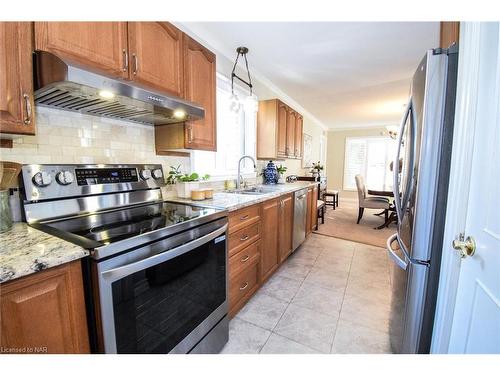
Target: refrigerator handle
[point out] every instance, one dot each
(402, 263)
(395, 167)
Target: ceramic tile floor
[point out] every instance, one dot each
(329, 296)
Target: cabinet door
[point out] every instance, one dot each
(156, 55)
(16, 78)
(99, 46)
(290, 133)
(299, 124)
(200, 80)
(45, 311)
(282, 118)
(309, 211)
(314, 209)
(269, 238)
(286, 227)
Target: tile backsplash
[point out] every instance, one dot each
(73, 138)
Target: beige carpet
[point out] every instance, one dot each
(341, 223)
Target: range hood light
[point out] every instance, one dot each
(58, 84)
(106, 94)
(179, 114)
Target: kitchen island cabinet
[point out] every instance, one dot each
(45, 312)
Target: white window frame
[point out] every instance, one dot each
(249, 138)
(364, 173)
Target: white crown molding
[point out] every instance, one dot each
(256, 74)
(362, 127)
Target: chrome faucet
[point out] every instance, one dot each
(238, 181)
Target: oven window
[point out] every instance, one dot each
(156, 308)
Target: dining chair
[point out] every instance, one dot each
(376, 203)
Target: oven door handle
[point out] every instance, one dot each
(128, 269)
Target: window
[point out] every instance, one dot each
(369, 157)
(236, 135)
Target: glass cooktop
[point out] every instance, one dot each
(113, 226)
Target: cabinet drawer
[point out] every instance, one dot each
(244, 217)
(242, 286)
(244, 259)
(242, 238)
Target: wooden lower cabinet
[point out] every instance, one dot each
(45, 312)
(270, 259)
(244, 277)
(285, 225)
(260, 239)
(314, 208)
(309, 201)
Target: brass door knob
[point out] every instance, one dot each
(466, 248)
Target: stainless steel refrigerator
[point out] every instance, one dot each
(420, 195)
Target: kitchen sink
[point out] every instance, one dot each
(255, 190)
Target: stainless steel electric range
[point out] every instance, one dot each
(156, 280)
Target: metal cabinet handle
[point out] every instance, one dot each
(243, 260)
(244, 217)
(136, 63)
(27, 102)
(125, 60)
(190, 134)
(244, 286)
(244, 238)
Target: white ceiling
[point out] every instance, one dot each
(345, 74)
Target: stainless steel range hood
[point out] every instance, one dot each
(59, 84)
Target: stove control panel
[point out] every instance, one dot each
(50, 181)
(96, 176)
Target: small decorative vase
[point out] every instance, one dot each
(281, 180)
(271, 175)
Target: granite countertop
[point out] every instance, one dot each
(25, 250)
(233, 202)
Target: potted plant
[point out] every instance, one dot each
(281, 171)
(316, 169)
(184, 183)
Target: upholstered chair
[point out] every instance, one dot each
(376, 203)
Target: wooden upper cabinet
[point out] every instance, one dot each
(279, 131)
(299, 125)
(156, 56)
(269, 237)
(290, 133)
(16, 78)
(45, 310)
(285, 227)
(282, 118)
(199, 87)
(98, 46)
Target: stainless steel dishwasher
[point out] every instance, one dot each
(299, 217)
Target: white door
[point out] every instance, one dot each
(476, 319)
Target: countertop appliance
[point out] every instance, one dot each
(62, 85)
(420, 191)
(299, 218)
(156, 281)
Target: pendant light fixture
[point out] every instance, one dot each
(235, 104)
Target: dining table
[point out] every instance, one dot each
(392, 216)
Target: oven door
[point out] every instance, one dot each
(165, 297)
